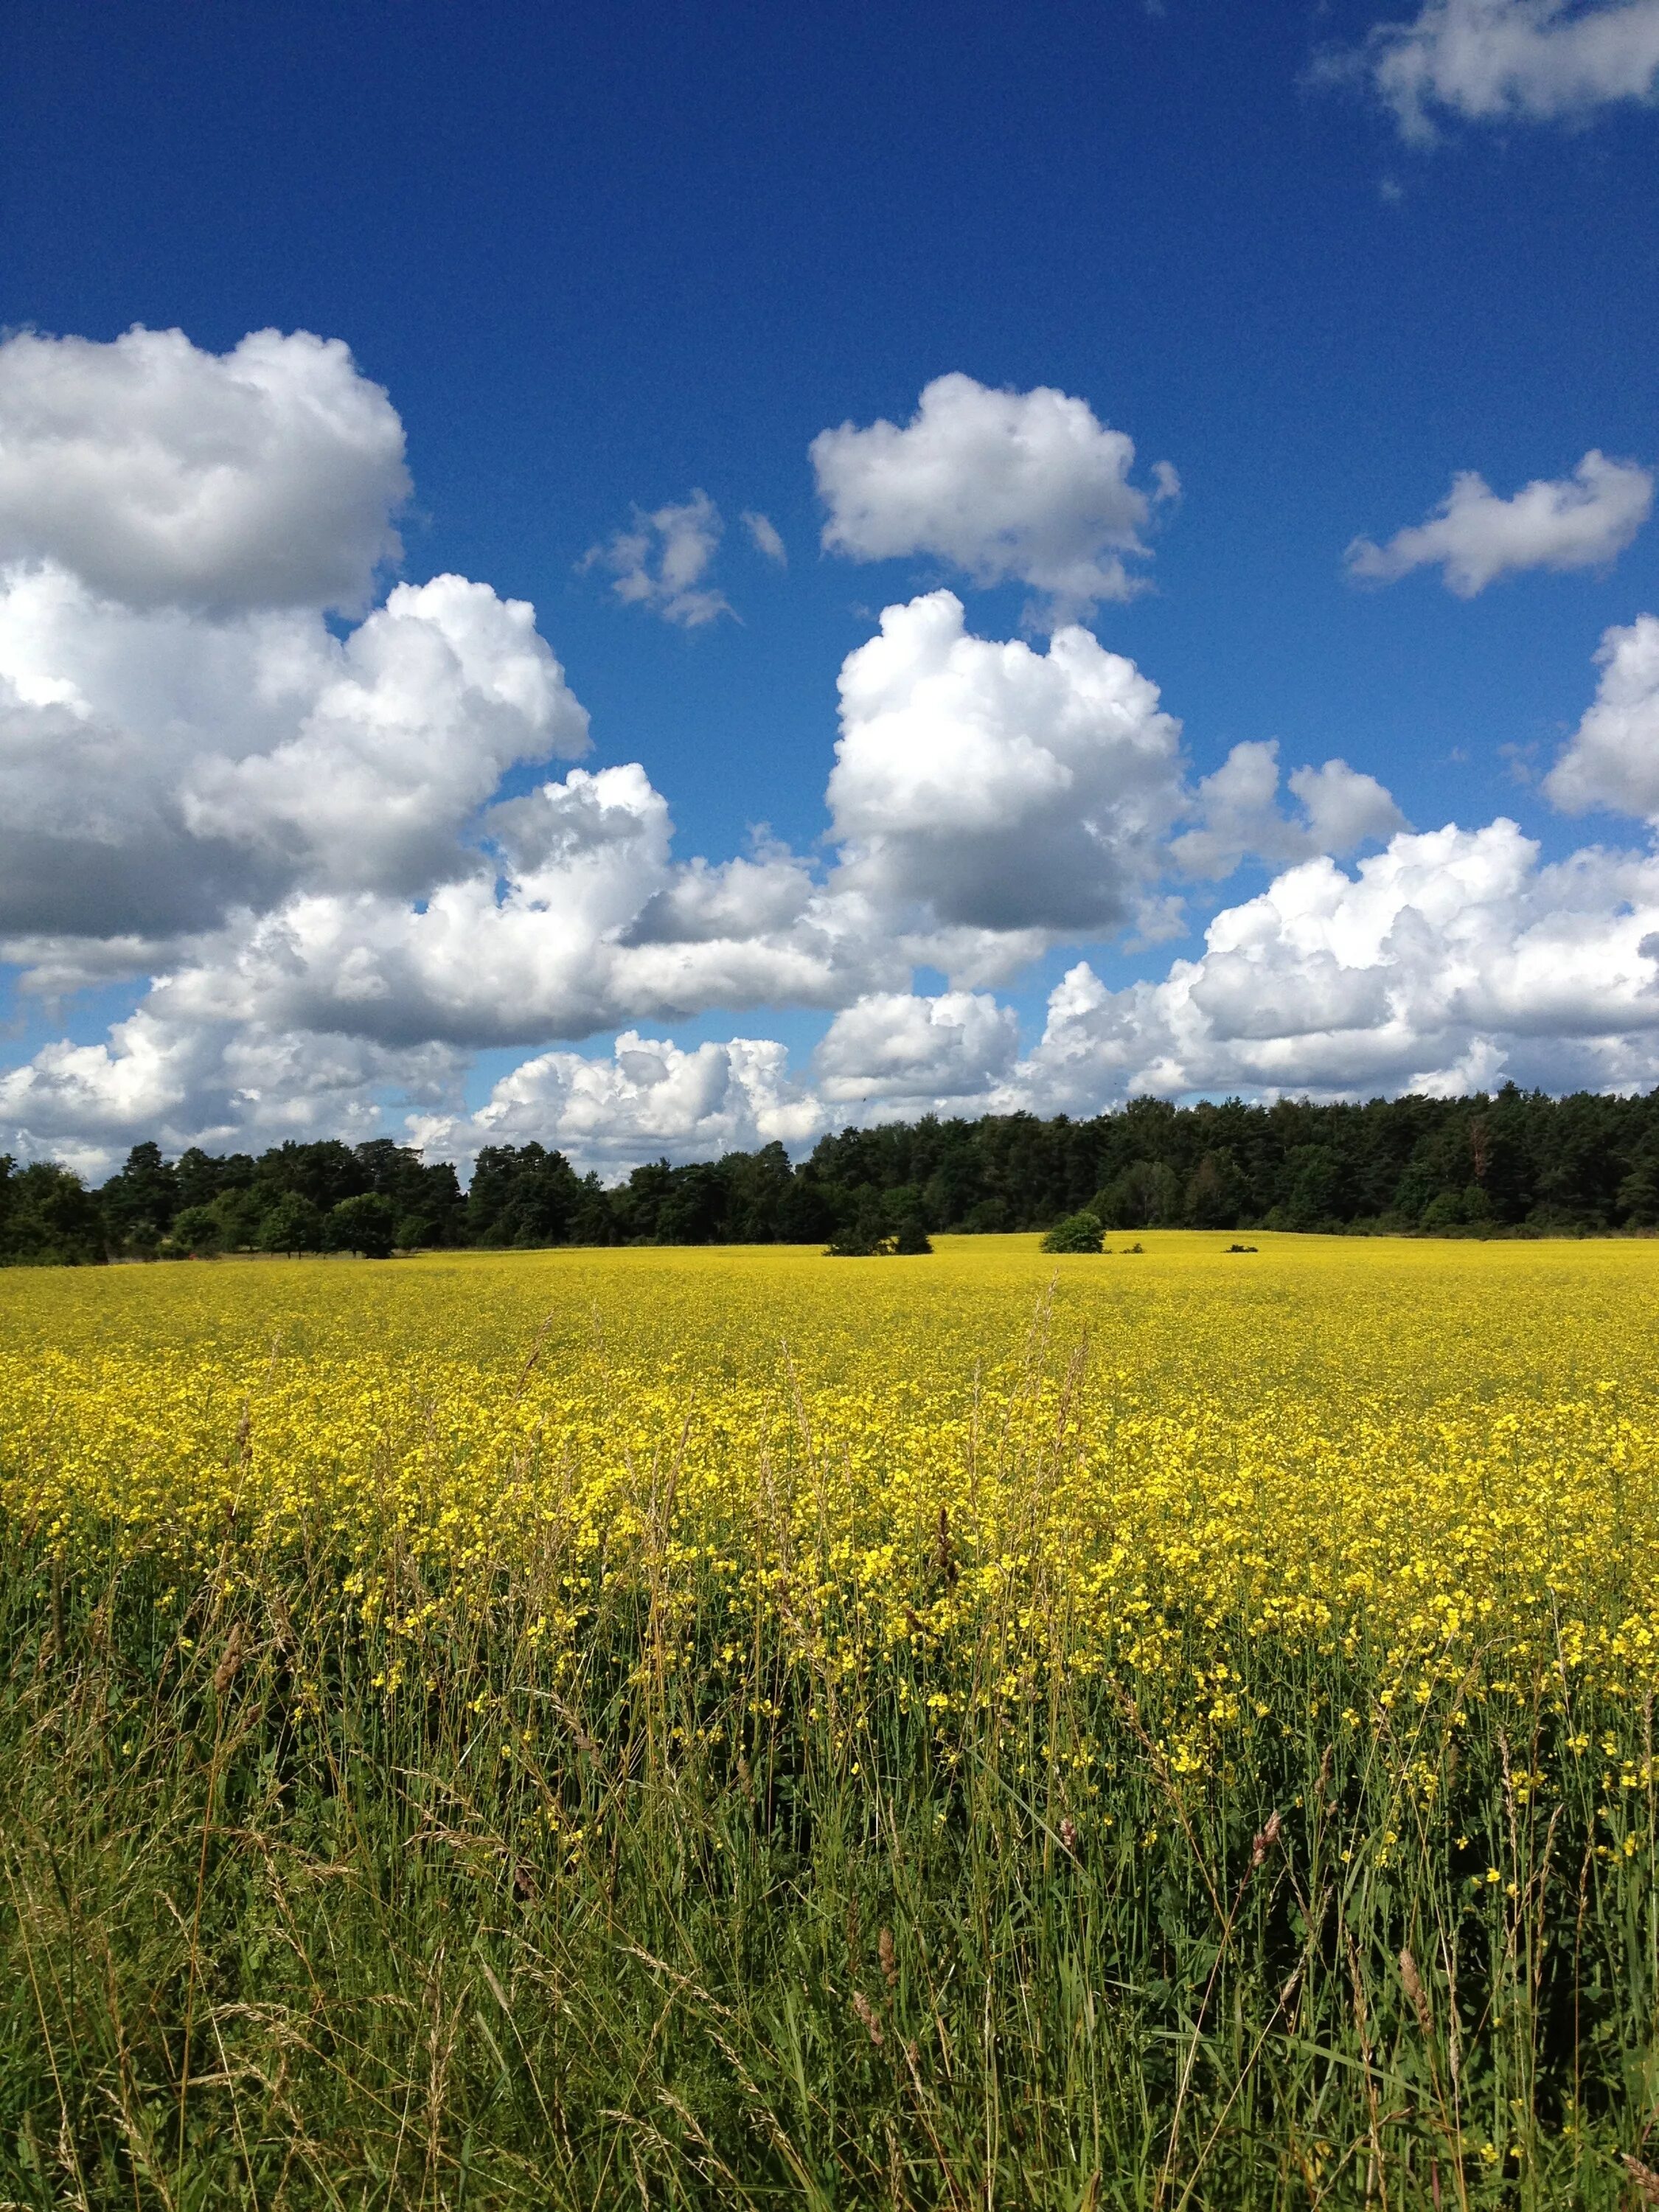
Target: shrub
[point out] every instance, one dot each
(880, 1230)
(911, 1239)
(1079, 1232)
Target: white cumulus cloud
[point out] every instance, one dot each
(897, 1045)
(1580, 521)
(226, 1085)
(647, 1097)
(337, 852)
(161, 767)
(1612, 758)
(584, 923)
(424, 708)
(991, 787)
(1500, 61)
(1027, 485)
(183, 736)
(1450, 951)
(1239, 818)
(662, 561)
(265, 477)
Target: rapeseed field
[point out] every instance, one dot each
(724, 1727)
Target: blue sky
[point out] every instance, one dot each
(598, 258)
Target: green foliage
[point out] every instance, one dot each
(1146, 1195)
(865, 1235)
(141, 1207)
(198, 1231)
(292, 1225)
(138, 1203)
(1516, 1163)
(1217, 1192)
(911, 1239)
(523, 1194)
(895, 1225)
(1637, 1198)
(238, 1210)
(295, 1914)
(1079, 1232)
(47, 1217)
(365, 1225)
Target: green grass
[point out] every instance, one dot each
(273, 1935)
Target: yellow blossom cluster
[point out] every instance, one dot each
(990, 1468)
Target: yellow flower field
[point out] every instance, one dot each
(1164, 1728)
(1445, 1454)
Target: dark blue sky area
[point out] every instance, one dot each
(598, 256)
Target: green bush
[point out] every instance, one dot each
(911, 1239)
(1079, 1232)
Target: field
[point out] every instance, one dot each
(733, 1728)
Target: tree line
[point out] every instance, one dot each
(1518, 1163)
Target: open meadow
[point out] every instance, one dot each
(727, 1727)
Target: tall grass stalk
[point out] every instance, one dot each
(309, 1901)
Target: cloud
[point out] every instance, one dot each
(428, 703)
(661, 562)
(739, 899)
(183, 735)
(338, 853)
(1341, 809)
(1021, 485)
(989, 788)
(1446, 963)
(226, 1085)
(1501, 61)
(895, 1045)
(646, 1098)
(765, 532)
(1451, 952)
(161, 475)
(1344, 808)
(582, 923)
(985, 798)
(1580, 521)
(161, 767)
(1612, 758)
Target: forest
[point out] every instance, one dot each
(1516, 1163)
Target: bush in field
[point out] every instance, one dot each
(864, 1236)
(910, 1238)
(1079, 1232)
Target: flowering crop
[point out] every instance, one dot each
(1135, 1642)
(1142, 1464)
